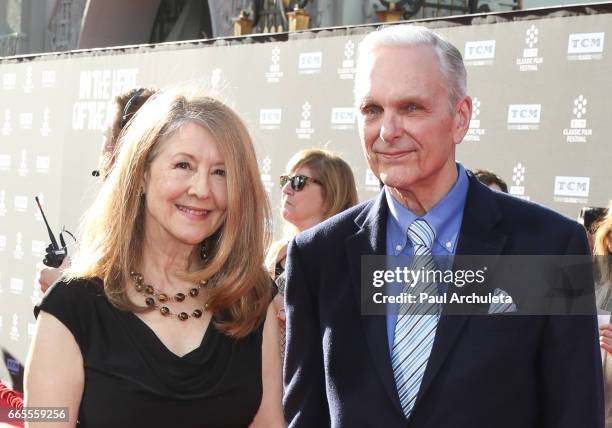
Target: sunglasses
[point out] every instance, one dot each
(297, 181)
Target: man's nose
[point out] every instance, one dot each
(390, 129)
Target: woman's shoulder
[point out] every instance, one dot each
(82, 288)
(71, 294)
(75, 303)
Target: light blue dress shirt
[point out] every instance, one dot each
(445, 219)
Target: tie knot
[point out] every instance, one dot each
(421, 235)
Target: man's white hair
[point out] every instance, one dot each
(449, 57)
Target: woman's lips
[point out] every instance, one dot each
(193, 213)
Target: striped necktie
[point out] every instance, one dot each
(416, 324)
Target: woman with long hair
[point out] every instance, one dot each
(163, 318)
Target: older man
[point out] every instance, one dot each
(347, 369)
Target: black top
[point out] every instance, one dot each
(132, 379)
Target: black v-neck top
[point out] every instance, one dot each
(133, 379)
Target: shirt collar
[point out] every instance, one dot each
(445, 217)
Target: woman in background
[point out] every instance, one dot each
(318, 185)
(602, 252)
(163, 319)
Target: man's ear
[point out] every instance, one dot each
(463, 115)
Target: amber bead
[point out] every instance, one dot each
(150, 301)
(149, 289)
(179, 297)
(194, 292)
(164, 310)
(183, 316)
(139, 287)
(196, 313)
(162, 297)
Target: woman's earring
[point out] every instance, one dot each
(204, 251)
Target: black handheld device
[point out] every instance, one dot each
(55, 253)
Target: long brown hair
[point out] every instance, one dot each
(112, 231)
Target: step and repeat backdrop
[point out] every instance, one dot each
(542, 120)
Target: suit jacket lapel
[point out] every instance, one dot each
(478, 236)
(370, 240)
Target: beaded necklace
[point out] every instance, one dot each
(153, 294)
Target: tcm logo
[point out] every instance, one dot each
(524, 113)
(342, 116)
(483, 49)
(48, 78)
(572, 186)
(580, 43)
(270, 116)
(310, 60)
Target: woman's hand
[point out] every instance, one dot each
(605, 337)
(47, 276)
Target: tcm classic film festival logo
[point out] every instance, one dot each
(7, 129)
(480, 52)
(266, 177)
(585, 46)
(530, 59)
(578, 131)
(305, 129)
(28, 84)
(274, 73)
(94, 107)
(572, 189)
(524, 117)
(518, 178)
(475, 131)
(347, 71)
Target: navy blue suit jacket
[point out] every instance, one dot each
(484, 371)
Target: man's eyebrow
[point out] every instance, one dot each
(365, 101)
